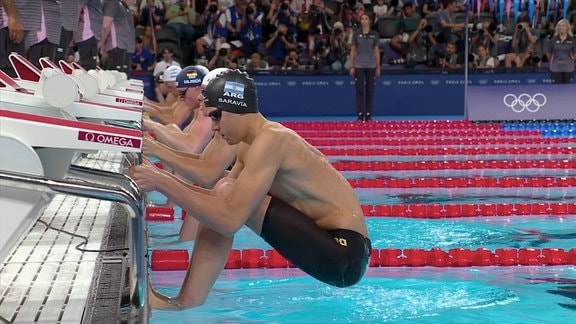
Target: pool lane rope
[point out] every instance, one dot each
(428, 211)
(171, 260)
(463, 182)
(452, 165)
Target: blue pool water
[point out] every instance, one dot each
(399, 295)
(526, 294)
(471, 233)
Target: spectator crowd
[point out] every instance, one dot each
(316, 35)
(263, 35)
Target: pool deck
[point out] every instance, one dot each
(46, 279)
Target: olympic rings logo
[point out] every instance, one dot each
(525, 102)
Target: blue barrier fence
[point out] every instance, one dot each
(395, 94)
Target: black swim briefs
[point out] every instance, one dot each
(336, 257)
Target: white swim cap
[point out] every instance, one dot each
(171, 73)
(211, 75)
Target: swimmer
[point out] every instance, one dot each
(281, 187)
(169, 83)
(203, 169)
(178, 114)
(197, 134)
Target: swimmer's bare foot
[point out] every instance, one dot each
(160, 301)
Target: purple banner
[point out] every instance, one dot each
(522, 102)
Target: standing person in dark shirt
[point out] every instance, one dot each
(69, 14)
(88, 32)
(45, 42)
(561, 53)
(117, 38)
(365, 66)
(20, 18)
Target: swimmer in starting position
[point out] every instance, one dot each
(281, 187)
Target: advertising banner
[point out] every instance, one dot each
(522, 102)
(423, 94)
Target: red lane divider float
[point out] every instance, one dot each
(452, 165)
(159, 213)
(432, 211)
(434, 151)
(167, 260)
(435, 211)
(473, 182)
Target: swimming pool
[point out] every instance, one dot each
(432, 294)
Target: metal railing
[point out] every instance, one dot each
(111, 187)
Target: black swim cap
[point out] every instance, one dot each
(232, 91)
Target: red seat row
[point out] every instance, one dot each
(434, 151)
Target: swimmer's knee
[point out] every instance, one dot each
(223, 187)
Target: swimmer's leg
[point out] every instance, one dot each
(189, 229)
(209, 256)
(336, 257)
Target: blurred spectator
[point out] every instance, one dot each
(161, 90)
(151, 14)
(280, 13)
(381, 9)
(350, 13)
(523, 42)
(88, 32)
(339, 56)
(251, 33)
(291, 61)
(395, 7)
(420, 45)
(215, 23)
(551, 16)
(256, 63)
(148, 39)
(235, 15)
(446, 27)
(320, 58)
(222, 58)
(142, 59)
(279, 44)
(449, 59)
(486, 36)
(406, 25)
(482, 59)
(319, 17)
(430, 7)
(181, 18)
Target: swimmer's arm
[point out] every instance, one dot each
(150, 105)
(203, 169)
(170, 135)
(149, 178)
(227, 216)
(194, 139)
(176, 116)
